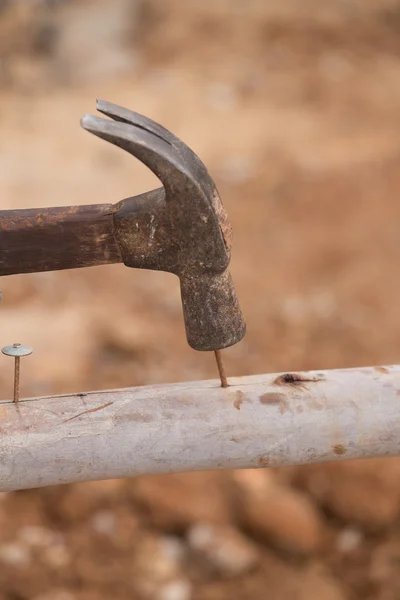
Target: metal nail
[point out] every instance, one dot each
(221, 368)
(17, 351)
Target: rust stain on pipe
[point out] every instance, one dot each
(339, 449)
(272, 398)
(276, 398)
(239, 399)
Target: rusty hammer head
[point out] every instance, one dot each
(181, 228)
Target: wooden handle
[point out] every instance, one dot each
(52, 239)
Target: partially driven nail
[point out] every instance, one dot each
(221, 368)
(17, 351)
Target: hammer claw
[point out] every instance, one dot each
(119, 113)
(151, 149)
(189, 159)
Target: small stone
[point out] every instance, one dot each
(223, 548)
(174, 502)
(365, 492)
(157, 569)
(56, 595)
(348, 540)
(384, 565)
(15, 554)
(175, 590)
(81, 501)
(56, 556)
(278, 514)
(156, 560)
(104, 522)
(36, 536)
(172, 548)
(252, 481)
(316, 582)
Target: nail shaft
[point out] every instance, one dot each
(221, 368)
(16, 378)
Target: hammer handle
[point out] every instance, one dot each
(52, 239)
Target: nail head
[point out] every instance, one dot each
(17, 350)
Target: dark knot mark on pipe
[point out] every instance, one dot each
(295, 379)
(263, 461)
(91, 410)
(82, 396)
(339, 449)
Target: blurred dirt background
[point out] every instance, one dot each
(295, 108)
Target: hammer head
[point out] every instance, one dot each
(181, 228)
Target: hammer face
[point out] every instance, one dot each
(181, 228)
(213, 318)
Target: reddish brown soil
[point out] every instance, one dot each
(295, 108)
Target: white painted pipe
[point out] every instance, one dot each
(259, 421)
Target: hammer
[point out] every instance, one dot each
(181, 228)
